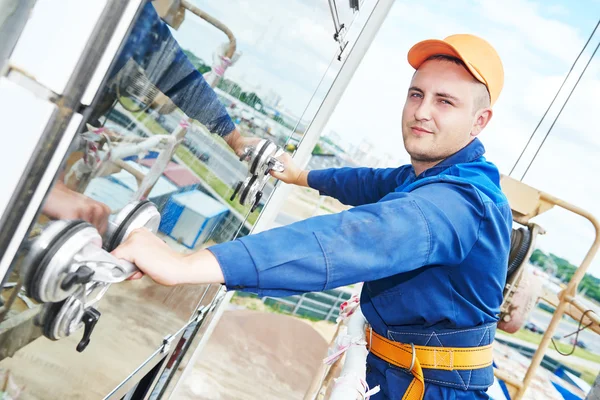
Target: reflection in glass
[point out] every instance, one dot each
(157, 132)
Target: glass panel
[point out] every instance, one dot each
(157, 131)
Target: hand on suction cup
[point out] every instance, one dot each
(153, 257)
(291, 174)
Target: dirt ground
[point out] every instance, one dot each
(255, 355)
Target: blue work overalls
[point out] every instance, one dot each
(432, 250)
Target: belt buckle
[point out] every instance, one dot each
(412, 345)
(414, 358)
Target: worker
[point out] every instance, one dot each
(430, 239)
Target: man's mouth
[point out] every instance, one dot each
(420, 131)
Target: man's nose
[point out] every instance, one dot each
(423, 111)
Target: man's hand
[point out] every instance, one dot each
(164, 265)
(153, 257)
(239, 143)
(64, 203)
(292, 174)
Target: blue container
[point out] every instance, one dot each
(190, 217)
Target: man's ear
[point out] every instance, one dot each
(482, 117)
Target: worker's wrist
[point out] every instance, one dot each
(200, 267)
(302, 179)
(234, 140)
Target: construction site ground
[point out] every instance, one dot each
(254, 354)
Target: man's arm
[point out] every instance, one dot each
(64, 203)
(357, 186)
(152, 46)
(351, 186)
(435, 224)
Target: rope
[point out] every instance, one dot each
(552, 102)
(576, 333)
(560, 112)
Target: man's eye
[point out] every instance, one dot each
(415, 95)
(446, 102)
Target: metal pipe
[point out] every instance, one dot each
(512, 383)
(575, 310)
(216, 23)
(580, 271)
(592, 317)
(541, 350)
(354, 365)
(138, 175)
(504, 376)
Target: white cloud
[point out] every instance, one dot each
(550, 36)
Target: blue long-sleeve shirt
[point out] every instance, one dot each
(432, 250)
(400, 223)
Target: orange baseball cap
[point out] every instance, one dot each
(478, 55)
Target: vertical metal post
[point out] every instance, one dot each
(298, 304)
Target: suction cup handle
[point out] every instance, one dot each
(236, 191)
(82, 275)
(126, 269)
(90, 318)
(256, 201)
(113, 270)
(275, 165)
(246, 153)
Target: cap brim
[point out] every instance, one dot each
(427, 48)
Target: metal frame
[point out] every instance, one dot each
(210, 327)
(528, 203)
(56, 138)
(54, 144)
(163, 353)
(45, 159)
(206, 324)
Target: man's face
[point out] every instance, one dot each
(438, 118)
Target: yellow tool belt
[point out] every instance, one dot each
(415, 358)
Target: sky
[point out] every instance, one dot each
(288, 46)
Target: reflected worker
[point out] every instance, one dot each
(430, 239)
(152, 47)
